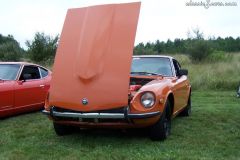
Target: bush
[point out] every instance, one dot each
(198, 50)
(10, 51)
(218, 56)
(42, 48)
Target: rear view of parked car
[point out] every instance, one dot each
(23, 87)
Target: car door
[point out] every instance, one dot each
(181, 88)
(8, 75)
(6, 94)
(29, 91)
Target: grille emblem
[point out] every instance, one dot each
(84, 101)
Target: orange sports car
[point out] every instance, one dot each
(97, 83)
(23, 87)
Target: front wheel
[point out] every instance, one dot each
(62, 130)
(161, 130)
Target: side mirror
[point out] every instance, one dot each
(183, 72)
(26, 76)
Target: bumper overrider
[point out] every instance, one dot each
(99, 115)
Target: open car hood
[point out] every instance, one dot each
(92, 65)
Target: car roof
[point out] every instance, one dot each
(24, 63)
(153, 56)
(21, 63)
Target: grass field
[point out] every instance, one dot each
(222, 74)
(212, 132)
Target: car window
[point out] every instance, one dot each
(158, 65)
(44, 72)
(177, 67)
(9, 71)
(30, 72)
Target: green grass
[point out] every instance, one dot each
(212, 132)
(222, 74)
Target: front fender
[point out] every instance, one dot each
(161, 90)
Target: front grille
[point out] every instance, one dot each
(115, 110)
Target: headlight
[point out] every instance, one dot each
(148, 99)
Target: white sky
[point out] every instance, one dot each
(159, 19)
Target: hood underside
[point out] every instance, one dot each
(93, 60)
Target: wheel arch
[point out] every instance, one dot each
(170, 97)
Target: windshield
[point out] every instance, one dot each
(151, 66)
(9, 71)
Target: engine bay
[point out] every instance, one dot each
(135, 84)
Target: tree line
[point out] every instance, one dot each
(195, 46)
(228, 44)
(42, 48)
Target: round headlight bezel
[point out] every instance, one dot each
(149, 98)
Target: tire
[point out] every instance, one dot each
(62, 130)
(188, 109)
(162, 129)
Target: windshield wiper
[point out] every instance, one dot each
(146, 73)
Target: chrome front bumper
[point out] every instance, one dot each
(101, 115)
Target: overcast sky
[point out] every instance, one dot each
(159, 19)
